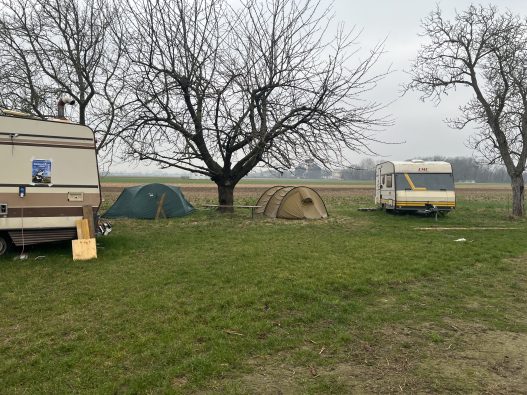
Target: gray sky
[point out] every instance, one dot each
(419, 124)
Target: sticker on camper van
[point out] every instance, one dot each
(41, 171)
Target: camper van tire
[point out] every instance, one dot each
(4, 244)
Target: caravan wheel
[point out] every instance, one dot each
(4, 244)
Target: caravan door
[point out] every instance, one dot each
(388, 191)
(378, 185)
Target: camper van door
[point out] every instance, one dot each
(378, 185)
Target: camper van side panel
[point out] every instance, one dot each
(48, 172)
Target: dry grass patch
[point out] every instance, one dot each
(431, 358)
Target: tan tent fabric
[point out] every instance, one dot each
(293, 203)
(271, 209)
(264, 199)
(300, 203)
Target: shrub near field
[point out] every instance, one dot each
(361, 302)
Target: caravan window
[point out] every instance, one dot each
(388, 181)
(430, 181)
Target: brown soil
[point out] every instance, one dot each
(326, 190)
(207, 191)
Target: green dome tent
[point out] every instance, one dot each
(143, 201)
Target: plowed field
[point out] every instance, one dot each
(208, 191)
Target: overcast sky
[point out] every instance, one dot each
(420, 125)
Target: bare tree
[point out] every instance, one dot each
(54, 47)
(485, 51)
(221, 89)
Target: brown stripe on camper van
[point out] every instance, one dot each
(49, 199)
(36, 143)
(44, 136)
(27, 212)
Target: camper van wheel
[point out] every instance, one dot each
(4, 244)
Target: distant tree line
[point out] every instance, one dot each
(364, 170)
(465, 169)
(469, 169)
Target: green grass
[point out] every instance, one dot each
(220, 303)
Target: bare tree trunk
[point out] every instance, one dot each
(226, 198)
(82, 114)
(517, 195)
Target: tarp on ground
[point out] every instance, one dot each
(143, 201)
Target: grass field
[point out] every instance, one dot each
(362, 302)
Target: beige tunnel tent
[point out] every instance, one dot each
(291, 203)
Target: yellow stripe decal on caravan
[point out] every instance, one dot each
(442, 204)
(414, 188)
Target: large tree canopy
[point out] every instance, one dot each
(484, 50)
(53, 47)
(222, 88)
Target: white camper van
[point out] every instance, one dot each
(48, 172)
(415, 185)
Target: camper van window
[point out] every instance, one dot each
(388, 181)
(429, 181)
(382, 180)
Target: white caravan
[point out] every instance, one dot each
(415, 186)
(48, 172)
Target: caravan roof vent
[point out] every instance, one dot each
(417, 161)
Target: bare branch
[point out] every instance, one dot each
(222, 88)
(484, 50)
